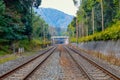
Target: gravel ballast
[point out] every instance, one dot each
(7, 66)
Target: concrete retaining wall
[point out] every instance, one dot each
(105, 47)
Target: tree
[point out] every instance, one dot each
(93, 21)
(2, 7)
(96, 15)
(116, 9)
(37, 3)
(40, 28)
(101, 3)
(71, 28)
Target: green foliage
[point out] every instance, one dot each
(13, 57)
(71, 28)
(2, 53)
(24, 8)
(4, 50)
(19, 26)
(40, 28)
(73, 40)
(18, 20)
(111, 14)
(2, 7)
(34, 43)
(9, 29)
(111, 33)
(37, 3)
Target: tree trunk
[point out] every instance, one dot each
(82, 28)
(44, 38)
(13, 46)
(102, 15)
(93, 22)
(76, 31)
(86, 28)
(79, 30)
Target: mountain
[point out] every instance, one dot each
(54, 18)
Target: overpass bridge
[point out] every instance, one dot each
(60, 39)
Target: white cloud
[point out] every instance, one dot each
(66, 6)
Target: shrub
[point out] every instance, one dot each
(111, 33)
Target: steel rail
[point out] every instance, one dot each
(25, 63)
(106, 69)
(32, 71)
(80, 66)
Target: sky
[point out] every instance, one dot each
(66, 6)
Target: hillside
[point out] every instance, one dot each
(55, 18)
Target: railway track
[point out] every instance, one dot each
(23, 71)
(71, 69)
(93, 69)
(74, 63)
(80, 66)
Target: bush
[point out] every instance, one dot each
(2, 53)
(111, 33)
(35, 43)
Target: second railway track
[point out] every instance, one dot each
(93, 69)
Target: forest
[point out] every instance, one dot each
(20, 26)
(96, 20)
